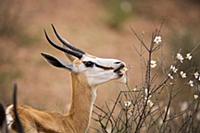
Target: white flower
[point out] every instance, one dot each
(157, 39)
(160, 121)
(150, 103)
(173, 68)
(199, 78)
(170, 76)
(153, 64)
(179, 57)
(196, 75)
(196, 96)
(188, 56)
(134, 89)
(183, 75)
(184, 106)
(127, 103)
(145, 93)
(191, 83)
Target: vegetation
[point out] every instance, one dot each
(154, 106)
(118, 12)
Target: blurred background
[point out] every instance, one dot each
(100, 27)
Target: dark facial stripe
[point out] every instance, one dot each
(91, 64)
(120, 67)
(103, 67)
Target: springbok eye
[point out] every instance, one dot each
(88, 64)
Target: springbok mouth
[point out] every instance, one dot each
(119, 68)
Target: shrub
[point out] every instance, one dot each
(154, 106)
(118, 11)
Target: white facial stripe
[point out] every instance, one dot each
(102, 61)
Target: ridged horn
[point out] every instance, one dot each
(65, 42)
(19, 126)
(73, 53)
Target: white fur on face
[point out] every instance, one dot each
(97, 75)
(102, 61)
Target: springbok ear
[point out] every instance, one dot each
(56, 62)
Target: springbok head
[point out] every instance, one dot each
(96, 70)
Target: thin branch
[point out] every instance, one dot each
(137, 36)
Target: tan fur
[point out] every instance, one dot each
(76, 121)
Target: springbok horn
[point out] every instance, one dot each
(65, 42)
(74, 53)
(19, 126)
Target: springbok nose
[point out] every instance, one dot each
(119, 67)
(120, 64)
(117, 62)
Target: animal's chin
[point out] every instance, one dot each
(123, 79)
(121, 70)
(122, 75)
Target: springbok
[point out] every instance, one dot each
(3, 119)
(87, 72)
